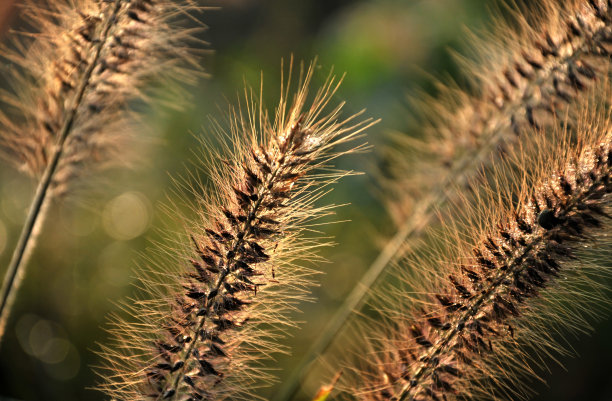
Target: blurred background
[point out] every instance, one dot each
(391, 50)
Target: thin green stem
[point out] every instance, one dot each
(15, 271)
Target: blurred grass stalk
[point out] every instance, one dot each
(74, 78)
(15, 272)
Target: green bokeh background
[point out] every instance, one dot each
(390, 51)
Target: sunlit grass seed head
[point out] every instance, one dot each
(73, 78)
(478, 317)
(216, 305)
(80, 67)
(523, 76)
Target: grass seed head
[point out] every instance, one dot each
(526, 73)
(475, 321)
(84, 63)
(217, 308)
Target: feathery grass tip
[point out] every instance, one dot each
(526, 74)
(216, 308)
(474, 324)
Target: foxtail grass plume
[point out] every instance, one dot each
(77, 72)
(528, 72)
(215, 307)
(73, 78)
(475, 321)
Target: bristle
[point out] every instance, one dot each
(487, 317)
(243, 251)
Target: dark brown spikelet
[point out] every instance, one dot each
(496, 299)
(218, 308)
(76, 73)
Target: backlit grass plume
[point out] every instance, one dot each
(486, 313)
(73, 78)
(526, 75)
(77, 73)
(214, 309)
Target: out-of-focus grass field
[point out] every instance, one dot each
(83, 263)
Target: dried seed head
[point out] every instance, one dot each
(520, 267)
(526, 74)
(84, 62)
(238, 271)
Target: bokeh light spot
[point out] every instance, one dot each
(23, 328)
(55, 351)
(40, 334)
(68, 367)
(127, 216)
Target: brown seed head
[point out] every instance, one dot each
(526, 74)
(229, 291)
(507, 282)
(79, 69)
